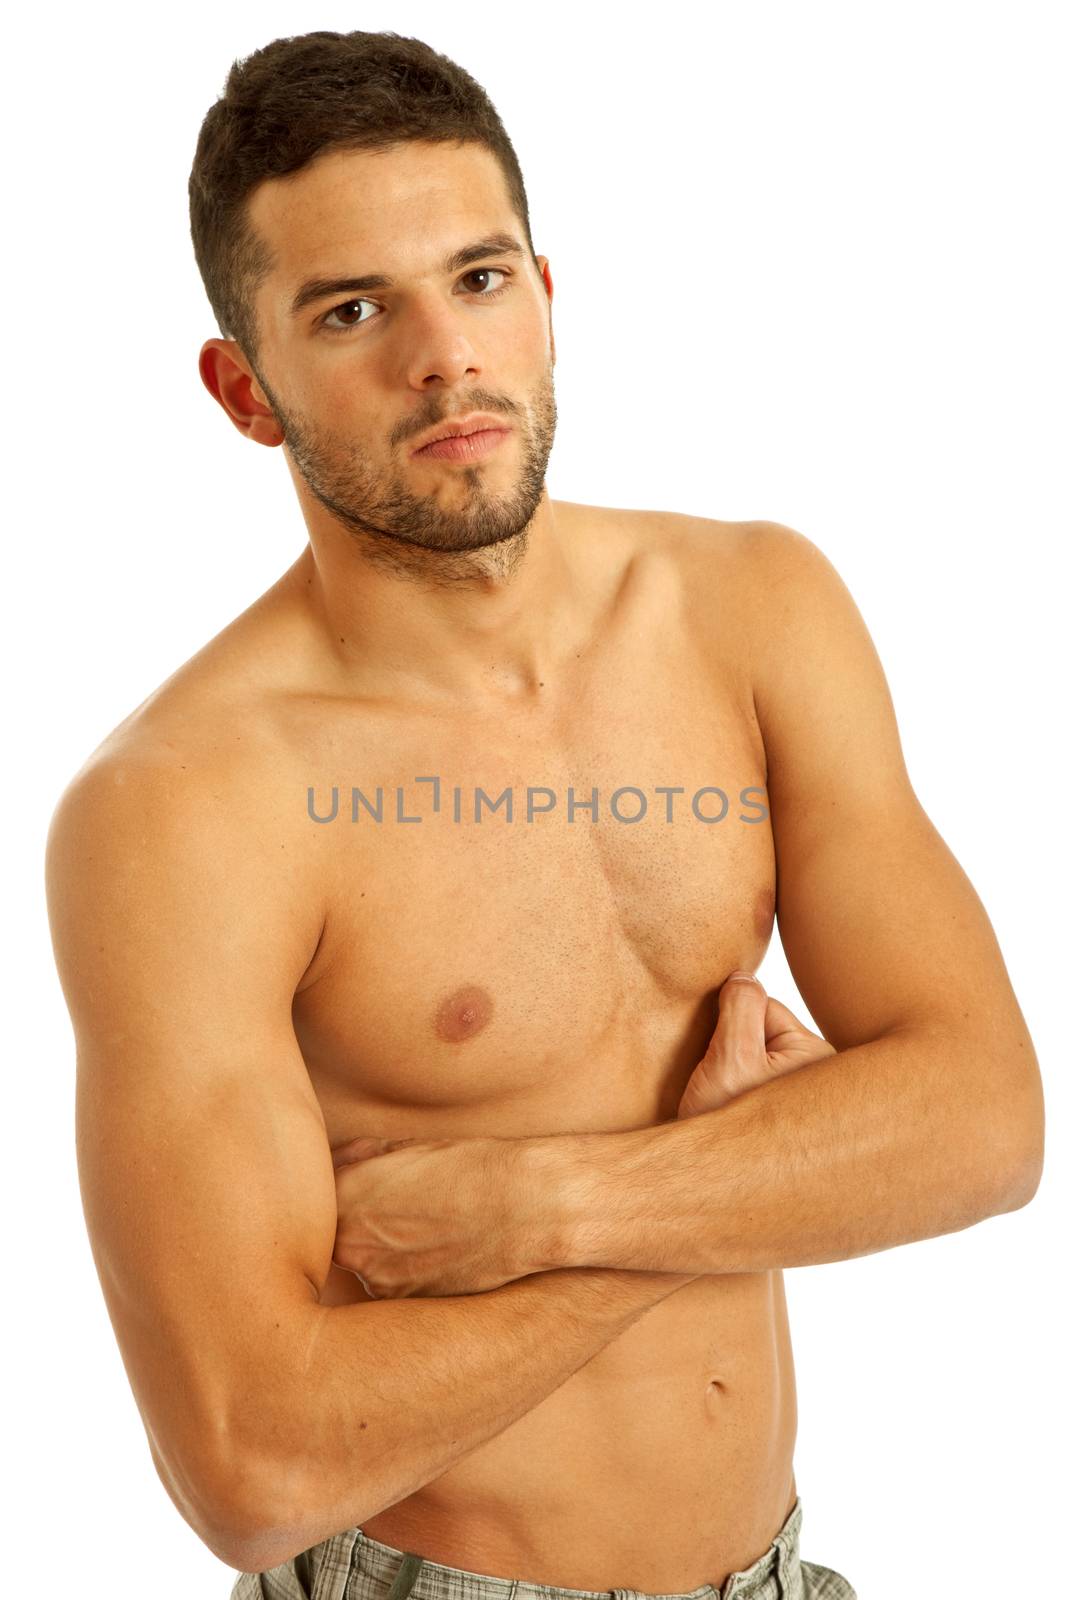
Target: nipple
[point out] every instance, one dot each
(763, 910)
(463, 1014)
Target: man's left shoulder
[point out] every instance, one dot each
(737, 570)
(713, 547)
(753, 547)
(771, 575)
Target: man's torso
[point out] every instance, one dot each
(544, 974)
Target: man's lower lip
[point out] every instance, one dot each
(465, 446)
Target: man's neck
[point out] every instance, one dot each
(495, 631)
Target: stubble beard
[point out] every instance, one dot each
(468, 531)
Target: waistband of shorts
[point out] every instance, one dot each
(412, 1577)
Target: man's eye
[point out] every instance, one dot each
(340, 310)
(475, 272)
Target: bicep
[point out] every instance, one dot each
(204, 1163)
(881, 927)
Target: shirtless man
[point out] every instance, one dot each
(547, 1340)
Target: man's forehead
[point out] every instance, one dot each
(396, 206)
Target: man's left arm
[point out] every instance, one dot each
(930, 1117)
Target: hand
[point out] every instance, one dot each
(756, 1039)
(432, 1216)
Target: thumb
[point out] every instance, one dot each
(739, 1031)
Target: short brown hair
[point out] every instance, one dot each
(298, 96)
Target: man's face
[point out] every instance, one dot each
(358, 375)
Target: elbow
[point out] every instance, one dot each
(1027, 1179)
(228, 1523)
(266, 1510)
(1021, 1148)
(244, 1470)
(250, 1544)
(271, 1493)
(1016, 1194)
(246, 1551)
(230, 1545)
(257, 1546)
(208, 1501)
(252, 1523)
(1031, 1162)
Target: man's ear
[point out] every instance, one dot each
(229, 379)
(546, 276)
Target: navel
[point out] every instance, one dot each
(714, 1394)
(464, 1013)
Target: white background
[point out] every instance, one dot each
(815, 255)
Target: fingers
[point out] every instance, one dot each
(358, 1150)
(363, 1148)
(780, 1019)
(746, 1004)
(790, 1044)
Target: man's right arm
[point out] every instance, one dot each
(182, 928)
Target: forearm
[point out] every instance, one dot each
(900, 1139)
(382, 1397)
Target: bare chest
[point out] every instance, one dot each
(529, 916)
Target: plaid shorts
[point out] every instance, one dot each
(352, 1567)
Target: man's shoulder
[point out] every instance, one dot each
(745, 572)
(186, 800)
(191, 806)
(216, 715)
(722, 569)
(164, 779)
(174, 841)
(693, 547)
(742, 546)
(708, 549)
(196, 751)
(186, 734)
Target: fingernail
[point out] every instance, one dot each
(748, 977)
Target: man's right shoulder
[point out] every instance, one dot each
(175, 838)
(187, 781)
(212, 723)
(167, 757)
(215, 717)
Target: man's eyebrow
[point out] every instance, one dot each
(495, 244)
